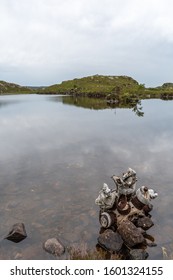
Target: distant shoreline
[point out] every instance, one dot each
(112, 88)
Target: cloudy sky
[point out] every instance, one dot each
(43, 42)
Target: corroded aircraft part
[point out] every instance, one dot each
(106, 198)
(127, 184)
(125, 208)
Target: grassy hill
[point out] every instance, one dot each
(122, 89)
(96, 86)
(114, 88)
(10, 88)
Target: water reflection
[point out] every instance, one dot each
(55, 158)
(100, 104)
(84, 102)
(7, 102)
(137, 109)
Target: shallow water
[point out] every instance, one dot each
(55, 156)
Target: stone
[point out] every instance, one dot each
(144, 222)
(130, 233)
(110, 241)
(17, 233)
(54, 247)
(138, 254)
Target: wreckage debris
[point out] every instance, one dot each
(125, 209)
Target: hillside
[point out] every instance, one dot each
(111, 88)
(96, 86)
(167, 86)
(9, 88)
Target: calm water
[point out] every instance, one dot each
(55, 156)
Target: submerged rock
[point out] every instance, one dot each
(130, 233)
(138, 254)
(110, 240)
(17, 233)
(54, 247)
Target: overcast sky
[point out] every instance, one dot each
(43, 42)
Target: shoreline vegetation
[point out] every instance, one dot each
(113, 89)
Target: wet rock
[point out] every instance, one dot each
(110, 240)
(144, 222)
(142, 231)
(17, 233)
(54, 247)
(138, 254)
(130, 233)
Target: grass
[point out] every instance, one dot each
(167, 252)
(97, 85)
(123, 89)
(81, 252)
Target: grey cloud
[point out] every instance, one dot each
(49, 41)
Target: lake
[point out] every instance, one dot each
(55, 154)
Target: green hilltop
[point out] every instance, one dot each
(97, 85)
